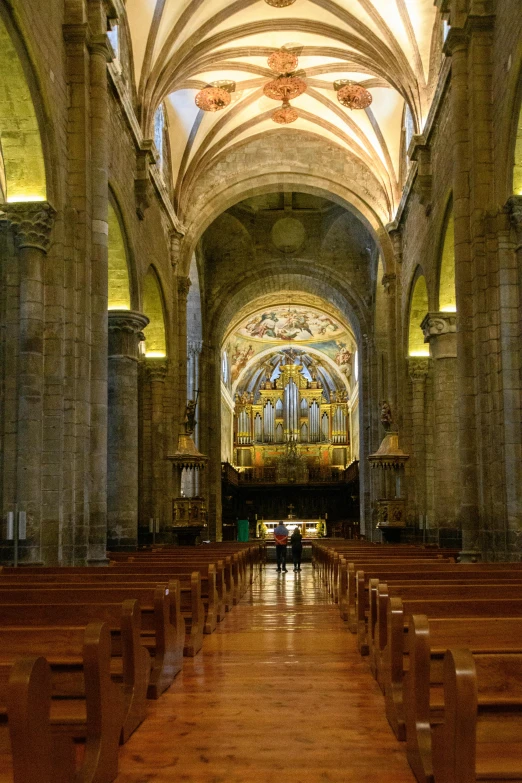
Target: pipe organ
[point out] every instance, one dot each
(291, 410)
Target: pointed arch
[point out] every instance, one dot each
(119, 279)
(22, 163)
(447, 292)
(418, 310)
(155, 336)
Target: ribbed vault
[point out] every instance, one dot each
(389, 46)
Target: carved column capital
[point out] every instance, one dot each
(126, 332)
(437, 324)
(513, 208)
(194, 347)
(100, 45)
(31, 223)
(183, 287)
(389, 281)
(418, 367)
(395, 235)
(156, 370)
(440, 331)
(456, 40)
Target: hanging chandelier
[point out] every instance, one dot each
(282, 61)
(352, 95)
(284, 88)
(285, 115)
(279, 3)
(215, 96)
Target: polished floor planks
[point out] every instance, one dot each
(279, 692)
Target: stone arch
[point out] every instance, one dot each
(154, 309)
(517, 163)
(447, 296)
(22, 161)
(417, 311)
(119, 278)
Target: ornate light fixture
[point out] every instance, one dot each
(285, 115)
(284, 88)
(215, 96)
(282, 61)
(352, 95)
(279, 3)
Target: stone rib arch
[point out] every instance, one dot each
(22, 118)
(417, 310)
(154, 308)
(517, 154)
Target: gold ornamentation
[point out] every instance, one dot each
(352, 95)
(284, 88)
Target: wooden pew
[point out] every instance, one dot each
(26, 748)
(162, 624)
(395, 654)
(424, 704)
(130, 661)
(87, 707)
(481, 736)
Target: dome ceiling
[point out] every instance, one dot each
(180, 46)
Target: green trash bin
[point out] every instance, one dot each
(243, 530)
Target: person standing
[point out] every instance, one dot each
(296, 540)
(281, 540)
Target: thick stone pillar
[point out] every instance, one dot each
(440, 331)
(125, 334)
(418, 368)
(190, 481)
(389, 282)
(156, 374)
(31, 224)
(99, 126)
(457, 46)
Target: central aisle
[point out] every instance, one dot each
(279, 692)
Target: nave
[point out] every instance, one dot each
(278, 689)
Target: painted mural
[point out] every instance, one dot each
(290, 324)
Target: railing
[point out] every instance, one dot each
(271, 475)
(229, 473)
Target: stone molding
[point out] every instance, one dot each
(183, 287)
(396, 240)
(100, 45)
(31, 222)
(126, 333)
(437, 324)
(175, 249)
(418, 367)
(156, 370)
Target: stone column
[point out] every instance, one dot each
(418, 368)
(457, 46)
(156, 374)
(183, 290)
(440, 331)
(31, 223)
(99, 114)
(389, 282)
(125, 334)
(191, 481)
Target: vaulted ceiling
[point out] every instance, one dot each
(180, 46)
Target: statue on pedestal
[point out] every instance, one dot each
(189, 420)
(386, 416)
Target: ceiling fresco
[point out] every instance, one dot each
(291, 324)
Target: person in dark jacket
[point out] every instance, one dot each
(296, 540)
(281, 540)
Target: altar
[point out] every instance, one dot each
(308, 527)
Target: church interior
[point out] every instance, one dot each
(260, 391)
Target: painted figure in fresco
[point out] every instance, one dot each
(343, 358)
(325, 323)
(296, 321)
(240, 358)
(264, 327)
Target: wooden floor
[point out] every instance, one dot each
(279, 693)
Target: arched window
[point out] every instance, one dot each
(119, 289)
(418, 310)
(356, 366)
(409, 127)
(159, 129)
(114, 37)
(224, 367)
(155, 342)
(447, 294)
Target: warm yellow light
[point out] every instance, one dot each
(425, 352)
(448, 309)
(155, 355)
(21, 197)
(118, 306)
